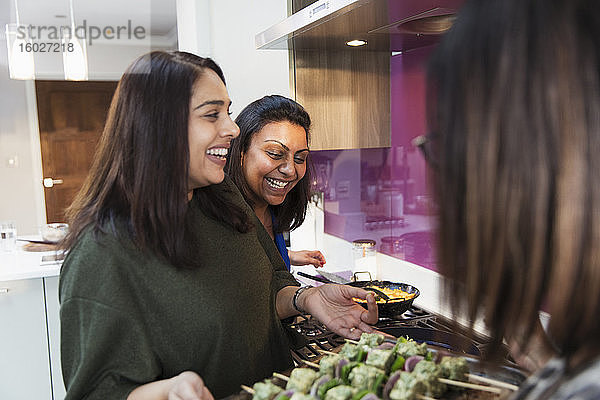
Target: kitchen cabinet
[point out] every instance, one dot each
(346, 90)
(24, 363)
(347, 94)
(53, 319)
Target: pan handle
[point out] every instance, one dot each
(355, 276)
(314, 278)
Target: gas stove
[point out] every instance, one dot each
(310, 340)
(310, 336)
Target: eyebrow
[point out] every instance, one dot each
(212, 102)
(284, 146)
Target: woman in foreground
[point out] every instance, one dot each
(515, 107)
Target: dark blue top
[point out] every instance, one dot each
(280, 243)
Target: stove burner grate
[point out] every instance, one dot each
(418, 322)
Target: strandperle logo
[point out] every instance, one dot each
(84, 31)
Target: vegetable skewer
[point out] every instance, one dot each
(371, 369)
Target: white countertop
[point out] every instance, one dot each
(21, 264)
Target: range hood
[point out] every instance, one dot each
(386, 25)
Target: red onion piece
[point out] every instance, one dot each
(390, 384)
(315, 387)
(386, 346)
(441, 354)
(411, 361)
(338, 368)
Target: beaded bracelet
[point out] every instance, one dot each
(295, 298)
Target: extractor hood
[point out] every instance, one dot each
(386, 25)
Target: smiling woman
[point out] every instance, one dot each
(210, 131)
(269, 163)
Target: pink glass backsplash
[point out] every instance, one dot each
(383, 193)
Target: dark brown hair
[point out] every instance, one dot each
(514, 99)
(139, 176)
(254, 117)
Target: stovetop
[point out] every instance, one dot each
(311, 336)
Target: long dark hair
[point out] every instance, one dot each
(139, 176)
(255, 116)
(514, 98)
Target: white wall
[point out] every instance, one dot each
(250, 73)
(18, 198)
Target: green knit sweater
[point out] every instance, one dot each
(128, 318)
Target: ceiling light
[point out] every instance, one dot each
(74, 54)
(356, 42)
(20, 54)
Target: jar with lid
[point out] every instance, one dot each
(365, 257)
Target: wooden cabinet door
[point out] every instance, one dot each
(71, 118)
(24, 364)
(347, 94)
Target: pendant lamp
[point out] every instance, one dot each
(20, 55)
(74, 54)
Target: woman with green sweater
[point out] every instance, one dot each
(171, 288)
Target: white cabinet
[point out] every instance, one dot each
(24, 360)
(53, 318)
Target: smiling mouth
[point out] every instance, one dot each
(220, 152)
(276, 183)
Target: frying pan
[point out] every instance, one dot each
(390, 309)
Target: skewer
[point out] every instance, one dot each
(351, 341)
(329, 353)
(281, 376)
(311, 364)
(248, 389)
(470, 385)
(493, 382)
(285, 378)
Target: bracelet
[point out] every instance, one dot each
(295, 298)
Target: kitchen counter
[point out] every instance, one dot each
(21, 264)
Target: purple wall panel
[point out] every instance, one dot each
(383, 193)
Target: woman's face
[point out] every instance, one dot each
(210, 130)
(275, 162)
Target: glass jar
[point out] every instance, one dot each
(365, 257)
(392, 246)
